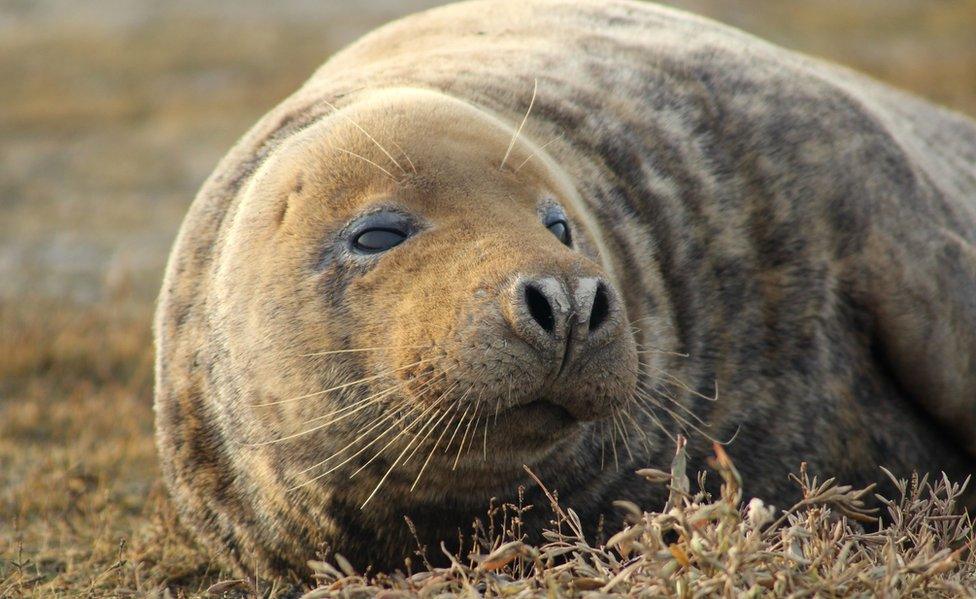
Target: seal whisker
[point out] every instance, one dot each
(674, 415)
(511, 144)
(366, 133)
(444, 413)
(484, 444)
(357, 408)
(453, 410)
(532, 155)
(684, 421)
(613, 444)
(656, 395)
(508, 393)
(657, 421)
(405, 155)
(603, 444)
(623, 434)
(361, 157)
(373, 399)
(393, 413)
(643, 318)
(657, 319)
(357, 405)
(642, 434)
(656, 350)
(477, 421)
(647, 348)
(433, 420)
(400, 456)
(343, 385)
(679, 383)
(398, 415)
(477, 407)
(460, 422)
(622, 430)
(429, 421)
(474, 430)
(363, 349)
(396, 437)
(690, 414)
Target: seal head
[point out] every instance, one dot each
(406, 319)
(426, 273)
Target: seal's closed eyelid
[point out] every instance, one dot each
(379, 231)
(375, 240)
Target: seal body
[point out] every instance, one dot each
(610, 223)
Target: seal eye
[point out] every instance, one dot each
(372, 241)
(379, 231)
(560, 229)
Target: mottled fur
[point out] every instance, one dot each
(794, 235)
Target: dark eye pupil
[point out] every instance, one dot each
(561, 230)
(378, 240)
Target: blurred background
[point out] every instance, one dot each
(112, 113)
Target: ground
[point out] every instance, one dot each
(118, 112)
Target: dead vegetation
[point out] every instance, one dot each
(83, 514)
(826, 545)
(81, 511)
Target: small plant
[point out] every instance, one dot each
(827, 544)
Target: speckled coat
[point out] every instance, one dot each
(802, 238)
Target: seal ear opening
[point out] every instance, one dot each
(285, 203)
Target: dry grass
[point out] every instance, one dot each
(82, 512)
(111, 128)
(826, 545)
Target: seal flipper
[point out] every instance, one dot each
(922, 295)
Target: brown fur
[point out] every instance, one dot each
(798, 237)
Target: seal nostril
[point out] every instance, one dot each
(601, 308)
(539, 308)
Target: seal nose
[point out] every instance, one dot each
(540, 308)
(558, 323)
(592, 300)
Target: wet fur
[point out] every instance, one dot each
(793, 234)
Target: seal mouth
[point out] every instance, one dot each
(538, 421)
(542, 408)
